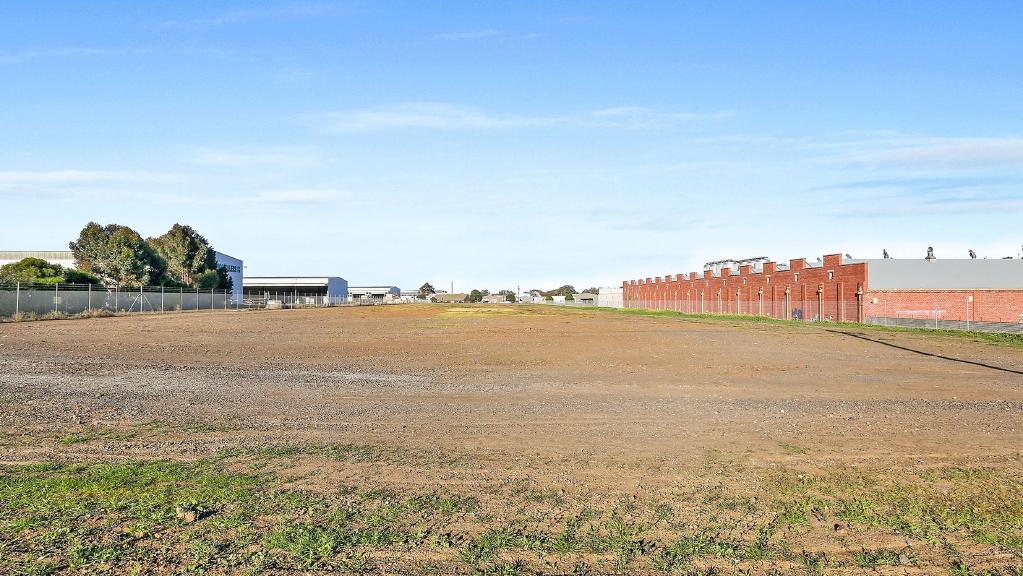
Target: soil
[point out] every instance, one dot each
(595, 404)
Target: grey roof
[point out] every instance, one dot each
(947, 274)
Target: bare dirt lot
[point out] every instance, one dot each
(504, 440)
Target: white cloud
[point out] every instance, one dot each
(958, 152)
(81, 177)
(241, 16)
(20, 56)
(472, 35)
(298, 196)
(445, 116)
(283, 157)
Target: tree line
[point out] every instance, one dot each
(116, 255)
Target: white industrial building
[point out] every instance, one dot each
(382, 293)
(318, 290)
(235, 271)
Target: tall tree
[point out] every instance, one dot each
(426, 290)
(188, 255)
(475, 296)
(117, 255)
(38, 271)
(191, 260)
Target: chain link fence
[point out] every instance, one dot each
(927, 314)
(33, 301)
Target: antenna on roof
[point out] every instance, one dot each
(973, 255)
(930, 253)
(848, 256)
(885, 254)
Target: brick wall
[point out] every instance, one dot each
(833, 291)
(829, 291)
(987, 305)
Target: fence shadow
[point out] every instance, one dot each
(924, 353)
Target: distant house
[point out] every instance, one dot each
(559, 299)
(585, 299)
(449, 298)
(495, 299)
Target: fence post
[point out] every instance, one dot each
(161, 298)
(55, 288)
(969, 300)
(141, 299)
(212, 298)
(116, 290)
(90, 297)
(196, 298)
(17, 298)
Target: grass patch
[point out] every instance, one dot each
(794, 449)
(128, 518)
(1014, 340)
(91, 433)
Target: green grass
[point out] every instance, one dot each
(121, 518)
(1014, 340)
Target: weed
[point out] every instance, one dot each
(867, 558)
(794, 449)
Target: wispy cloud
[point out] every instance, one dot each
(20, 56)
(445, 116)
(930, 184)
(920, 196)
(298, 196)
(241, 16)
(158, 188)
(286, 157)
(16, 57)
(471, 35)
(81, 177)
(949, 153)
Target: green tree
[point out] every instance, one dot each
(38, 271)
(31, 270)
(475, 296)
(563, 291)
(191, 261)
(117, 255)
(509, 298)
(569, 297)
(426, 290)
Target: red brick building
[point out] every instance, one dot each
(906, 292)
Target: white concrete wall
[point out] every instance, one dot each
(610, 297)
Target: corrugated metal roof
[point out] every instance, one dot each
(953, 274)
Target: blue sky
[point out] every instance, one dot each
(521, 143)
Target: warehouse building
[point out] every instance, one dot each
(297, 290)
(905, 292)
(377, 293)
